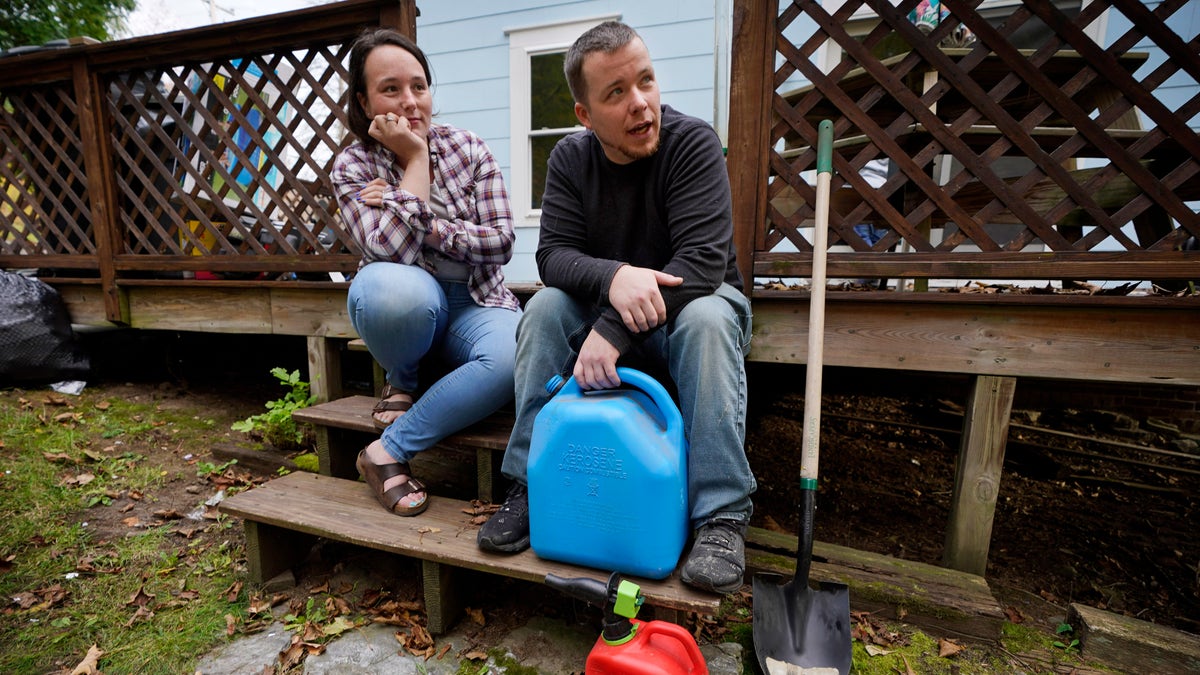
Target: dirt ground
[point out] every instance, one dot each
(1082, 517)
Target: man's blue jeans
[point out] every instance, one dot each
(404, 314)
(703, 348)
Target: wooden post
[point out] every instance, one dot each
(402, 17)
(751, 73)
(324, 368)
(977, 480)
(94, 132)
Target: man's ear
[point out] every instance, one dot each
(581, 114)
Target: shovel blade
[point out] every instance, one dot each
(799, 630)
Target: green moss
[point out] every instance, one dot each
(307, 462)
(507, 664)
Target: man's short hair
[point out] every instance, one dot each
(608, 37)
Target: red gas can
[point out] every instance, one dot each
(627, 646)
(654, 648)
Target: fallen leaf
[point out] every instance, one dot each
(90, 665)
(25, 599)
(67, 418)
(168, 514)
(475, 656)
(475, 615)
(140, 598)
(338, 626)
(1014, 615)
(907, 668)
(102, 405)
(79, 480)
(258, 606)
(187, 531)
(57, 457)
(872, 650)
(131, 521)
(947, 648)
(142, 614)
(338, 606)
(230, 624)
(232, 593)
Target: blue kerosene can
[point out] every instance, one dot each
(607, 477)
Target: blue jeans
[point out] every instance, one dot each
(703, 349)
(869, 233)
(404, 314)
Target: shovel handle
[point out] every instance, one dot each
(810, 449)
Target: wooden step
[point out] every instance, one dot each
(344, 426)
(284, 516)
(940, 599)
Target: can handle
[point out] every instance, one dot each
(650, 386)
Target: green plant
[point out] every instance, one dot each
(276, 426)
(1066, 632)
(206, 469)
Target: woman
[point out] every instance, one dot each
(427, 205)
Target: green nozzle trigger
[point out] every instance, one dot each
(629, 599)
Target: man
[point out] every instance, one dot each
(637, 255)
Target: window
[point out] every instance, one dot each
(542, 108)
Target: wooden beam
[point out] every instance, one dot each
(977, 478)
(1134, 646)
(1106, 339)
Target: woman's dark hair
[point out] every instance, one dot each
(366, 41)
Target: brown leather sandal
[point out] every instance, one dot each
(385, 405)
(377, 475)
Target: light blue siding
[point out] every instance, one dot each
(1180, 87)
(467, 45)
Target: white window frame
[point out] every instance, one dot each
(523, 44)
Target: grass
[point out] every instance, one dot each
(150, 598)
(154, 601)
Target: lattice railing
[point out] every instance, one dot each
(44, 203)
(204, 150)
(1030, 151)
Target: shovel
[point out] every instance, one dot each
(799, 630)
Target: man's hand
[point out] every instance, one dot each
(596, 367)
(634, 293)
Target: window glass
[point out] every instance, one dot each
(551, 113)
(540, 147)
(550, 102)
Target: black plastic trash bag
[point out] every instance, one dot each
(37, 345)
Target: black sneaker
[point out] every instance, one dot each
(507, 531)
(718, 559)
